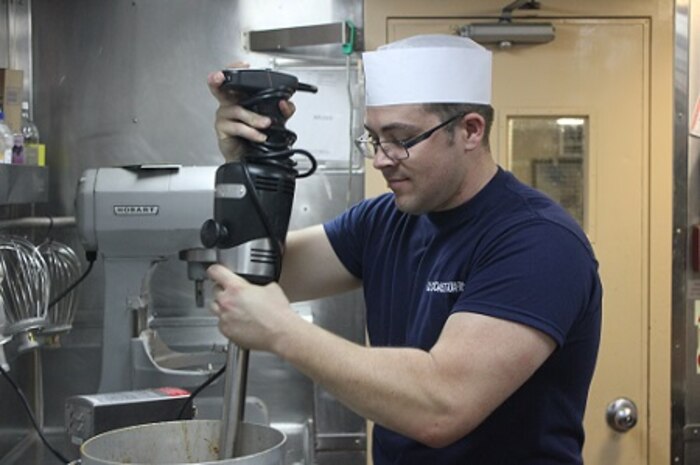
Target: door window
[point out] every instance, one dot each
(549, 153)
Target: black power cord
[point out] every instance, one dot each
(91, 256)
(190, 399)
(28, 408)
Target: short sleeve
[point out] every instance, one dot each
(540, 274)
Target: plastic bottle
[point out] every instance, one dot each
(34, 150)
(6, 140)
(29, 129)
(18, 149)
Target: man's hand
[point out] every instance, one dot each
(233, 122)
(251, 316)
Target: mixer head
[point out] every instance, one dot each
(253, 196)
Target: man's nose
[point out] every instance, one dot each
(382, 160)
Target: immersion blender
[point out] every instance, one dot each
(252, 206)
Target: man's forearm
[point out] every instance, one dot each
(397, 388)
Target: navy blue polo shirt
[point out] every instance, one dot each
(512, 253)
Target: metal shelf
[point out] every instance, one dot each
(271, 40)
(22, 184)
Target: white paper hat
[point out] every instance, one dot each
(429, 68)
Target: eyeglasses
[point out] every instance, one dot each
(396, 150)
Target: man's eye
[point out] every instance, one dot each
(398, 139)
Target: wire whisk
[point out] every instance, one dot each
(24, 289)
(64, 270)
(3, 337)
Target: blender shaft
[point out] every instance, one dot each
(234, 399)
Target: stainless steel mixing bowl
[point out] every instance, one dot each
(183, 442)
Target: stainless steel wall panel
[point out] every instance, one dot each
(4, 34)
(685, 447)
(19, 28)
(16, 40)
(124, 81)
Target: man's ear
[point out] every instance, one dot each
(475, 127)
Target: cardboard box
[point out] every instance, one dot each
(11, 89)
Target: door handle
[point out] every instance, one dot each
(621, 414)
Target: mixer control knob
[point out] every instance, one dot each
(211, 233)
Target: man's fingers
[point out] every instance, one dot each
(224, 277)
(238, 64)
(216, 78)
(215, 309)
(229, 118)
(288, 108)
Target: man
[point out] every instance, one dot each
(483, 298)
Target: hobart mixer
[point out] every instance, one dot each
(135, 218)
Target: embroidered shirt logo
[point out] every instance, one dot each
(445, 287)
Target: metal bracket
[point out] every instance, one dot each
(321, 34)
(507, 12)
(691, 432)
(506, 34)
(340, 441)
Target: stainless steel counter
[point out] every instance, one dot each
(23, 184)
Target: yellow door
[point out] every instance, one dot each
(572, 118)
